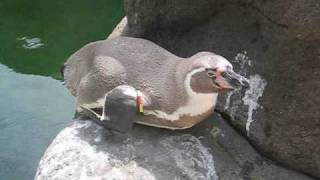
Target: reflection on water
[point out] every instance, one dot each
(30, 43)
(36, 37)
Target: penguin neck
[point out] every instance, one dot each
(181, 74)
(203, 101)
(187, 102)
(184, 76)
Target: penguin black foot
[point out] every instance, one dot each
(119, 110)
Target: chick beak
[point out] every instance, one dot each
(229, 80)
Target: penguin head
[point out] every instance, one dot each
(211, 73)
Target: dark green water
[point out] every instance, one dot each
(36, 37)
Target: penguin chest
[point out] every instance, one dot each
(196, 109)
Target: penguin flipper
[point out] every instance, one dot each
(120, 109)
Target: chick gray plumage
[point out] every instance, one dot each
(101, 66)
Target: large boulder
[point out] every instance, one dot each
(150, 15)
(297, 18)
(276, 45)
(211, 150)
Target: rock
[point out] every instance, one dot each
(151, 15)
(121, 29)
(298, 18)
(211, 150)
(276, 45)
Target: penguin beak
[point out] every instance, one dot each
(229, 80)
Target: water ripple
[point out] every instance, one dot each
(31, 43)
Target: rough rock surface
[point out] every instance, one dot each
(150, 15)
(276, 45)
(121, 29)
(211, 150)
(298, 18)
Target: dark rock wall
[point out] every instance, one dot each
(149, 15)
(298, 18)
(275, 44)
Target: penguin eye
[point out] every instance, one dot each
(211, 73)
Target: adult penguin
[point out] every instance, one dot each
(124, 80)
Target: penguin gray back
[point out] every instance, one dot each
(179, 92)
(123, 60)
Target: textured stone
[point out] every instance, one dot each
(152, 15)
(276, 45)
(298, 18)
(121, 29)
(211, 150)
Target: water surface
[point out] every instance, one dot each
(36, 37)
(33, 109)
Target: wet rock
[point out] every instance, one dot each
(211, 150)
(275, 45)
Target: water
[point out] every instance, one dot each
(35, 39)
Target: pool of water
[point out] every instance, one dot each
(36, 37)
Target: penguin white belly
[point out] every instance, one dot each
(196, 105)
